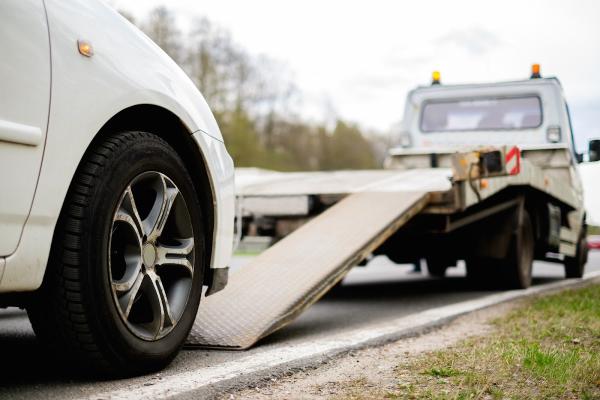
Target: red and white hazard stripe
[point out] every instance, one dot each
(513, 161)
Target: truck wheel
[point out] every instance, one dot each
(124, 279)
(437, 267)
(575, 266)
(517, 266)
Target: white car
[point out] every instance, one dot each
(116, 190)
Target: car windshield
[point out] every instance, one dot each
(482, 114)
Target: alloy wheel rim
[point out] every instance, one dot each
(151, 256)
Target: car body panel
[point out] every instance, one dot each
(221, 169)
(126, 69)
(24, 103)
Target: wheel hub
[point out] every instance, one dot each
(149, 255)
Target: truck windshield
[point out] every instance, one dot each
(484, 113)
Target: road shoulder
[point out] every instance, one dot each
(546, 346)
(372, 368)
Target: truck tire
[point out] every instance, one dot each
(124, 278)
(516, 267)
(437, 267)
(575, 266)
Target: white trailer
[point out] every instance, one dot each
(484, 173)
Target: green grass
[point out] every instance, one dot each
(443, 372)
(547, 348)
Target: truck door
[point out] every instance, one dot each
(24, 107)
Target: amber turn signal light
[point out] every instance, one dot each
(85, 48)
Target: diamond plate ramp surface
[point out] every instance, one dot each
(291, 275)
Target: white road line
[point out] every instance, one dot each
(185, 382)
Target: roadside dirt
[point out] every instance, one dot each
(372, 367)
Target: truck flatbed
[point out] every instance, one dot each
(459, 189)
(364, 209)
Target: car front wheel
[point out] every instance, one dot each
(124, 278)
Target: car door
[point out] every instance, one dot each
(24, 106)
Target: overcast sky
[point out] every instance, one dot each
(361, 57)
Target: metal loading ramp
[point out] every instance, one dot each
(287, 278)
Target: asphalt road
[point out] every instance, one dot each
(368, 295)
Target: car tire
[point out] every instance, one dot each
(131, 221)
(517, 266)
(575, 266)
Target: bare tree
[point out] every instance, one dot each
(253, 98)
(161, 27)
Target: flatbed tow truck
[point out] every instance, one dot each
(486, 173)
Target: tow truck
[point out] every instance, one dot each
(485, 173)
